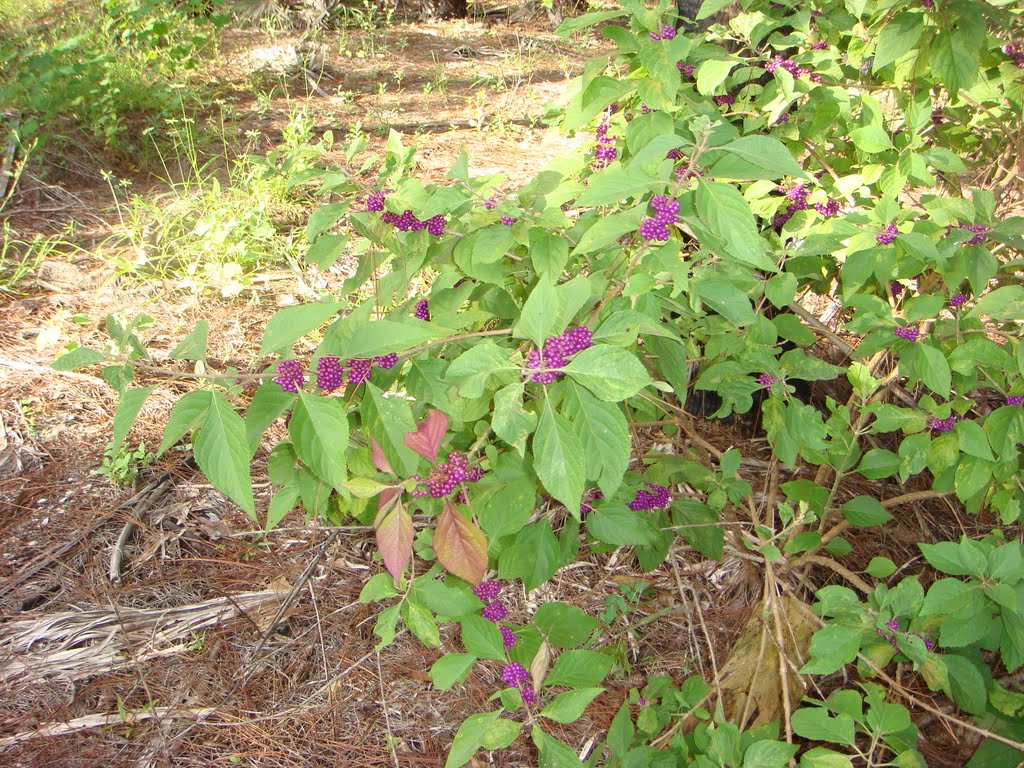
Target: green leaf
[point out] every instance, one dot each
(832, 648)
(185, 416)
(768, 753)
(611, 373)
(568, 707)
(283, 502)
(878, 463)
(947, 596)
(472, 370)
(450, 669)
(699, 525)
(881, 567)
(1004, 303)
(564, 626)
(871, 139)
(470, 737)
(710, 7)
(326, 250)
(559, 459)
(572, 25)
(223, 455)
(533, 558)
(193, 346)
(382, 337)
(79, 357)
(614, 523)
(725, 212)
(128, 408)
(604, 435)
(865, 512)
(973, 440)
(955, 51)
(726, 299)
(421, 623)
(900, 35)
(608, 229)
(319, 431)
(816, 724)
(946, 557)
(755, 157)
(510, 421)
(266, 406)
(553, 753)
(966, 684)
(288, 325)
(579, 669)
(482, 638)
(539, 318)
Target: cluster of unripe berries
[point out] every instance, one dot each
(406, 221)
(557, 349)
(888, 234)
(444, 478)
(654, 498)
(1016, 53)
(330, 372)
(668, 32)
(666, 212)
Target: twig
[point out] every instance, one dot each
(103, 721)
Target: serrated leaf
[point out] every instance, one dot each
(578, 669)
(568, 707)
(223, 455)
(611, 373)
(79, 357)
(563, 625)
(725, 212)
(539, 317)
(421, 623)
(428, 436)
(460, 545)
(482, 638)
(450, 669)
(128, 408)
(755, 157)
(558, 459)
(266, 406)
(288, 325)
(604, 434)
(319, 431)
(394, 537)
(193, 346)
(510, 421)
(185, 416)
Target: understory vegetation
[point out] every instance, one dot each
(802, 223)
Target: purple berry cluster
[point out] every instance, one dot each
(908, 332)
(666, 212)
(724, 101)
(888, 234)
(487, 590)
(358, 370)
(829, 209)
(557, 349)
(820, 45)
(605, 152)
(1016, 53)
(686, 69)
(783, 118)
(980, 233)
(589, 498)
(656, 497)
(386, 361)
(1015, 399)
(375, 202)
(290, 377)
(781, 62)
(508, 221)
(407, 222)
(928, 5)
(797, 196)
(329, 373)
(515, 675)
(422, 311)
(941, 425)
(444, 478)
(768, 380)
(508, 637)
(490, 203)
(958, 300)
(668, 32)
(494, 610)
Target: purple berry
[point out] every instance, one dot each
(445, 478)
(358, 370)
(422, 311)
(490, 203)
(829, 209)
(820, 45)
(980, 233)
(888, 234)
(329, 374)
(514, 675)
(1015, 400)
(290, 377)
(508, 638)
(908, 332)
(494, 611)
(487, 590)
(657, 497)
(687, 70)
(893, 624)
(387, 361)
(767, 380)
(529, 697)
(724, 101)
(941, 425)
(375, 201)
(508, 221)
(668, 32)
(958, 300)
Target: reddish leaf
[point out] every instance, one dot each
(460, 545)
(428, 435)
(394, 537)
(380, 461)
(385, 499)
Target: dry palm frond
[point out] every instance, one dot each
(77, 644)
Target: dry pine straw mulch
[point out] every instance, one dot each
(288, 677)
